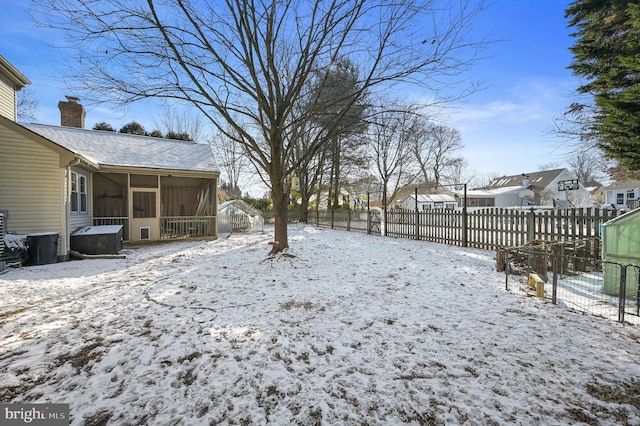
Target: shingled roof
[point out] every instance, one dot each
(125, 150)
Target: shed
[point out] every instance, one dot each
(621, 244)
(239, 216)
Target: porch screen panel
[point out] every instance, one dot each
(109, 195)
(144, 181)
(179, 201)
(144, 204)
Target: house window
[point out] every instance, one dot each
(78, 193)
(620, 198)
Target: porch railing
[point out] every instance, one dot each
(124, 221)
(172, 227)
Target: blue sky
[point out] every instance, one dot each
(506, 128)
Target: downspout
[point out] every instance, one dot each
(78, 160)
(67, 209)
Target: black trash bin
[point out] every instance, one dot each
(42, 248)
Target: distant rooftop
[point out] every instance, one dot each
(537, 179)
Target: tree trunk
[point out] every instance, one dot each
(280, 213)
(336, 171)
(331, 177)
(304, 198)
(304, 210)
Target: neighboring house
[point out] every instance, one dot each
(598, 195)
(346, 198)
(11, 82)
(430, 202)
(57, 179)
(553, 188)
(624, 195)
(238, 215)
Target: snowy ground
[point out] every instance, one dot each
(354, 329)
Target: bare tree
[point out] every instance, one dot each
(588, 166)
(580, 142)
(246, 64)
(309, 173)
(176, 121)
(434, 148)
(390, 141)
(28, 105)
(549, 166)
(421, 146)
(457, 172)
(337, 123)
(443, 142)
(484, 180)
(233, 161)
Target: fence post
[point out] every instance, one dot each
(416, 230)
(384, 219)
(531, 224)
(465, 218)
(506, 269)
(368, 213)
(623, 292)
(554, 287)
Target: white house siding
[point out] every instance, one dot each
(31, 187)
(429, 202)
(7, 99)
(621, 198)
(499, 197)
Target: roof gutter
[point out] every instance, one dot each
(13, 74)
(79, 160)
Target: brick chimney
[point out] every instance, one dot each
(71, 112)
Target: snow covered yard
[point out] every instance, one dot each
(350, 329)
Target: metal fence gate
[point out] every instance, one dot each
(571, 274)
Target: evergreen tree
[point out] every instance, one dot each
(133, 128)
(607, 54)
(178, 136)
(104, 126)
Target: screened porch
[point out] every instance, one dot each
(152, 207)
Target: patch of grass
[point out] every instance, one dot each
(99, 419)
(581, 416)
(189, 357)
(290, 304)
(627, 393)
(5, 315)
(83, 357)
